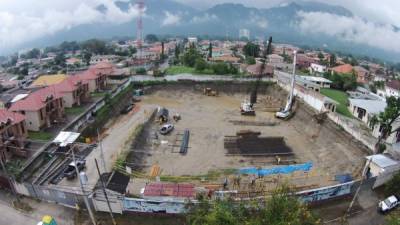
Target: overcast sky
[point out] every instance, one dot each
(25, 20)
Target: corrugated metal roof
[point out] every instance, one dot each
(169, 189)
(382, 161)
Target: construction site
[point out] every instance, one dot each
(213, 144)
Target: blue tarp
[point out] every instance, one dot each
(276, 170)
(343, 178)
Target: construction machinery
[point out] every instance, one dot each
(210, 92)
(247, 107)
(287, 112)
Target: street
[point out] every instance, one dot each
(9, 215)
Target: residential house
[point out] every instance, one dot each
(321, 82)
(168, 191)
(47, 80)
(381, 166)
(346, 68)
(103, 58)
(254, 70)
(317, 68)
(303, 61)
(365, 109)
(13, 134)
(97, 81)
(103, 67)
(226, 58)
(42, 108)
(74, 91)
(392, 88)
(275, 59)
(363, 75)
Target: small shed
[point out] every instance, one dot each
(115, 184)
(382, 167)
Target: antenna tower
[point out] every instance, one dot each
(139, 28)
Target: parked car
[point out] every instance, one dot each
(127, 109)
(388, 204)
(166, 129)
(69, 171)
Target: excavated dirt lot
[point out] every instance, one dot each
(210, 119)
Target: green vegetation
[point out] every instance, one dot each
(40, 135)
(76, 110)
(281, 208)
(97, 94)
(339, 96)
(344, 82)
(173, 70)
(251, 49)
(385, 120)
(107, 111)
(393, 186)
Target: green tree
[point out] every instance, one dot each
(60, 59)
(190, 56)
(250, 60)
(132, 50)
(86, 56)
(385, 120)
(151, 38)
(95, 46)
(220, 68)
(332, 60)
(321, 56)
(210, 50)
(34, 53)
(200, 64)
(162, 51)
(280, 209)
(251, 49)
(393, 186)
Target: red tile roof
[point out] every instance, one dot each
(90, 74)
(103, 67)
(167, 189)
(69, 84)
(36, 100)
(346, 68)
(395, 84)
(6, 115)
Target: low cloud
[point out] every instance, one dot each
(19, 27)
(171, 19)
(350, 29)
(204, 18)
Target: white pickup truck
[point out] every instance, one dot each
(388, 204)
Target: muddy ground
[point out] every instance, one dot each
(209, 119)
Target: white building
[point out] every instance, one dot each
(382, 167)
(244, 33)
(192, 40)
(365, 109)
(319, 81)
(392, 88)
(316, 68)
(103, 58)
(275, 59)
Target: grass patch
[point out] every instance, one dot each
(98, 94)
(341, 97)
(40, 135)
(76, 110)
(174, 70)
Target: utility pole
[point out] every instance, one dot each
(103, 186)
(85, 198)
(103, 162)
(363, 177)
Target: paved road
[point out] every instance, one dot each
(9, 215)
